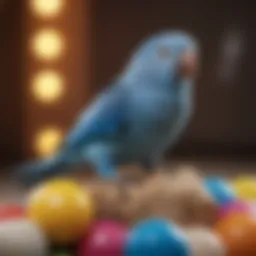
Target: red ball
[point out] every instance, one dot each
(11, 212)
(105, 238)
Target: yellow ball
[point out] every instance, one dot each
(245, 188)
(62, 208)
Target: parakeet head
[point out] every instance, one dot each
(164, 57)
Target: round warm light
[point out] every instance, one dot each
(48, 86)
(47, 8)
(48, 141)
(48, 44)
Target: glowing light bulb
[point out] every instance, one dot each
(47, 8)
(47, 141)
(48, 44)
(48, 86)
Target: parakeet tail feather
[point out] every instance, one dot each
(37, 171)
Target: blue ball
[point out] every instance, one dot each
(221, 191)
(155, 237)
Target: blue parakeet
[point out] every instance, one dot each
(137, 117)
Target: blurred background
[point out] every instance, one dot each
(57, 54)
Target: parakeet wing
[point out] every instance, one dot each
(106, 118)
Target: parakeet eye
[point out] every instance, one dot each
(163, 52)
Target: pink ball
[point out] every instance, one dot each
(105, 238)
(238, 207)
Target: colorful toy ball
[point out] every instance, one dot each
(220, 190)
(11, 212)
(237, 207)
(156, 237)
(104, 238)
(245, 188)
(62, 209)
(238, 232)
(205, 242)
(23, 238)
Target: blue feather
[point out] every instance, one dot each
(105, 119)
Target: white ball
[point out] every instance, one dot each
(204, 242)
(22, 238)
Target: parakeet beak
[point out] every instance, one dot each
(189, 64)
